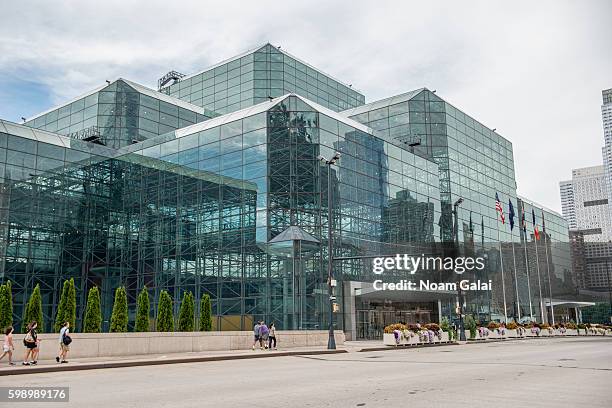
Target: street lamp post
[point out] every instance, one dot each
(331, 342)
(459, 292)
(608, 259)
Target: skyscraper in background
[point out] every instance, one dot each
(606, 118)
(584, 202)
(568, 207)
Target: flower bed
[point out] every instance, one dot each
(411, 334)
(406, 335)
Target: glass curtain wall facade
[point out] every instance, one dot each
(120, 114)
(256, 76)
(174, 196)
(195, 210)
(475, 164)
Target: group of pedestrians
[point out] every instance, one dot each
(264, 335)
(31, 343)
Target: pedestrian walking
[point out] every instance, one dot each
(272, 336)
(64, 343)
(8, 347)
(256, 334)
(30, 341)
(263, 337)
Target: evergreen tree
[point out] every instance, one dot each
(119, 318)
(70, 315)
(142, 312)
(6, 306)
(60, 316)
(92, 322)
(186, 313)
(165, 319)
(33, 311)
(205, 313)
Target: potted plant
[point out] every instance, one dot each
(515, 330)
(470, 325)
(571, 329)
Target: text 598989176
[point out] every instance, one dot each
(31, 394)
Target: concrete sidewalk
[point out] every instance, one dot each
(45, 366)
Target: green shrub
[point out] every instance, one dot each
(165, 318)
(470, 324)
(71, 305)
(6, 306)
(205, 313)
(92, 322)
(66, 310)
(186, 313)
(119, 318)
(60, 315)
(142, 312)
(33, 311)
(445, 326)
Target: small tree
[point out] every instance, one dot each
(6, 306)
(470, 324)
(33, 311)
(60, 315)
(165, 319)
(92, 322)
(205, 313)
(71, 305)
(142, 312)
(186, 313)
(119, 318)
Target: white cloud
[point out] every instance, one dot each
(533, 70)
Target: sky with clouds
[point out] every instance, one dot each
(532, 70)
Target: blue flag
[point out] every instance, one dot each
(511, 214)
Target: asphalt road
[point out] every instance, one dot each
(568, 372)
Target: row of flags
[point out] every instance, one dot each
(499, 208)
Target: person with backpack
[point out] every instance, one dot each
(64, 343)
(256, 334)
(30, 341)
(8, 347)
(272, 336)
(263, 337)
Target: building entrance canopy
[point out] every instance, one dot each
(369, 293)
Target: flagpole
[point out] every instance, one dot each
(524, 229)
(501, 259)
(485, 254)
(518, 302)
(527, 266)
(552, 309)
(535, 240)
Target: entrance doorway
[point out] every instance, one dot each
(373, 316)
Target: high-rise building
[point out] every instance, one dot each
(568, 207)
(606, 118)
(216, 186)
(585, 204)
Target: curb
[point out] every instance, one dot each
(178, 360)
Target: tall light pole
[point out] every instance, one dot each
(459, 293)
(331, 342)
(608, 259)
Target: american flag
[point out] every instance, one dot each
(498, 208)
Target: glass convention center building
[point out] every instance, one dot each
(214, 184)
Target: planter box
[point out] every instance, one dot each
(86, 345)
(514, 333)
(389, 340)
